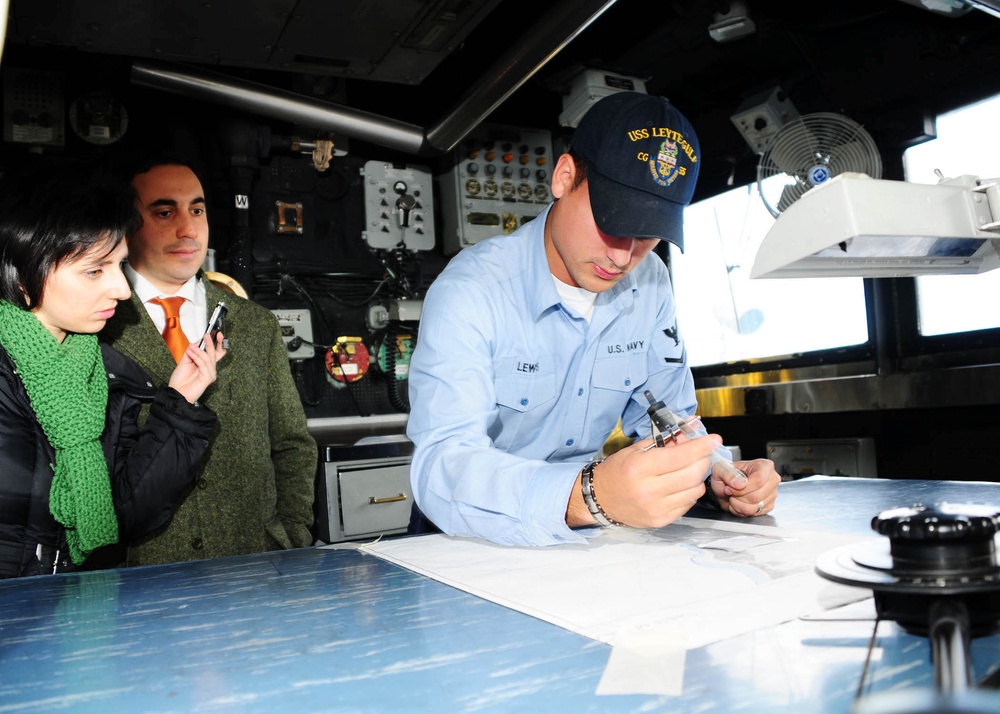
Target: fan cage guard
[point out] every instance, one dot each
(810, 151)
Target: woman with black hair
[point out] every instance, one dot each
(77, 474)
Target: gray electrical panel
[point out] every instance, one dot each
(34, 110)
(500, 180)
(399, 206)
(827, 457)
(296, 333)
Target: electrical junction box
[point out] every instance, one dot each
(399, 206)
(760, 117)
(499, 181)
(405, 310)
(732, 24)
(589, 87)
(827, 457)
(296, 324)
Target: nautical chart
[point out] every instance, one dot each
(703, 580)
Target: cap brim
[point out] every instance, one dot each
(626, 212)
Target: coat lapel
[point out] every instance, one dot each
(132, 332)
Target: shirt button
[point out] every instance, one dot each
(569, 442)
(524, 401)
(579, 392)
(197, 544)
(628, 382)
(202, 484)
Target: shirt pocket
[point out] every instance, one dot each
(620, 372)
(521, 388)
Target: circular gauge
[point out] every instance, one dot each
(98, 118)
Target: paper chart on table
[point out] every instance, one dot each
(710, 580)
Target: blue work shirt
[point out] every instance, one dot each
(511, 393)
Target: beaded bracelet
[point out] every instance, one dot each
(590, 498)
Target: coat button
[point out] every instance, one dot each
(197, 544)
(202, 484)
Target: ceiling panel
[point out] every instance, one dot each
(228, 32)
(398, 41)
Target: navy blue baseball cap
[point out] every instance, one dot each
(642, 160)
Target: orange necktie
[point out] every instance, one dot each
(177, 341)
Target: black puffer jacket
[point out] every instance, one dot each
(150, 469)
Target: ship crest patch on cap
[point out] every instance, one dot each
(663, 166)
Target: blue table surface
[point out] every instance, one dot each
(335, 630)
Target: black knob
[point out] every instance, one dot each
(940, 521)
(941, 538)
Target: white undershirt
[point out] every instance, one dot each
(194, 313)
(577, 299)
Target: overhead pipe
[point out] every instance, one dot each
(990, 7)
(542, 42)
(278, 104)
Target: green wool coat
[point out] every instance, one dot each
(255, 491)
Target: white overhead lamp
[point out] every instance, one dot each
(854, 225)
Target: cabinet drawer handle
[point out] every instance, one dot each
(390, 499)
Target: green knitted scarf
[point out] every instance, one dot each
(68, 389)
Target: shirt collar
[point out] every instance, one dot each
(543, 292)
(146, 291)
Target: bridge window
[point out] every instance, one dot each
(726, 317)
(965, 144)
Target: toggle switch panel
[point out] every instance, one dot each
(399, 206)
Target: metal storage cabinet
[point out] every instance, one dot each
(364, 492)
